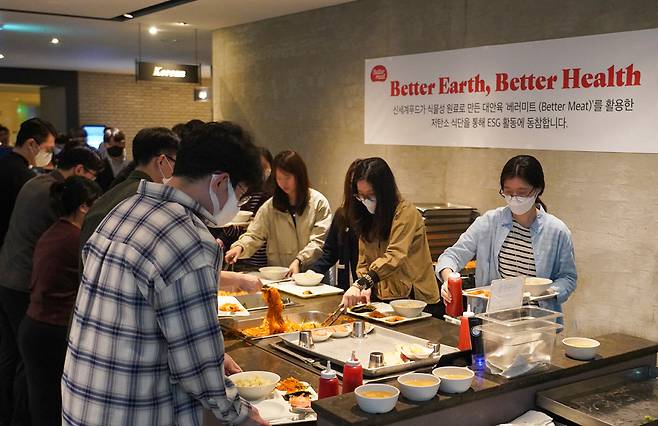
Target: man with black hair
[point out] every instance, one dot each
(147, 303)
(154, 153)
(113, 149)
(30, 218)
(35, 143)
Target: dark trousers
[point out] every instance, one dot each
(43, 348)
(13, 386)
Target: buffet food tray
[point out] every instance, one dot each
(304, 292)
(549, 294)
(388, 310)
(239, 324)
(338, 350)
(628, 397)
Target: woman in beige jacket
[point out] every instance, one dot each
(293, 222)
(394, 256)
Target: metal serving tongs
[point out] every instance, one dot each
(340, 310)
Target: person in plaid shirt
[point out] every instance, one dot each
(145, 347)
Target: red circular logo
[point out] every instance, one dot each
(379, 73)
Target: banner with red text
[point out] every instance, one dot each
(593, 93)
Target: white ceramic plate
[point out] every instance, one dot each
(273, 409)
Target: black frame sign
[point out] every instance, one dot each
(173, 73)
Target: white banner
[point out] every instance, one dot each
(594, 93)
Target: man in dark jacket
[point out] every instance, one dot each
(154, 153)
(35, 143)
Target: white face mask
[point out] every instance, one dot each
(225, 214)
(42, 158)
(165, 180)
(371, 205)
(520, 205)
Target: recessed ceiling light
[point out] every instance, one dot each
(128, 15)
(153, 30)
(54, 40)
(2, 56)
(182, 24)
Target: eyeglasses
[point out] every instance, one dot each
(362, 199)
(524, 194)
(91, 172)
(173, 160)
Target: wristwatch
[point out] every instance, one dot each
(365, 282)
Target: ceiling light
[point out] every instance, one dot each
(2, 56)
(153, 30)
(128, 15)
(54, 40)
(182, 24)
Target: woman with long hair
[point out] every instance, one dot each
(54, 285)
(394, 256)
(521, 239)
(294, 222)
(342, 244)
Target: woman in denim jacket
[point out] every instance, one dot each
(519, 239)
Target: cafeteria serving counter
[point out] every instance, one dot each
(491, 400)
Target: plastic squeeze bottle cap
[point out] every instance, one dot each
(468, 313)
(454, 275)
(353, 361)
(328, 373)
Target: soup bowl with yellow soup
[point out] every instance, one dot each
(419, 386)
(454, 379)
(376, 398)
(581, 348)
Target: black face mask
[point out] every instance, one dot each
(115, 151)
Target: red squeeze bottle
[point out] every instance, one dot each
(464, 332)
(455, 308)
(352, 374)
(328, 383)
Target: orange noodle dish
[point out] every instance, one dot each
(274, 322)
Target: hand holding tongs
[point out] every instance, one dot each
(340, 310)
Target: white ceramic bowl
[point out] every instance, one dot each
(242, 216)
(408, 308)
(273, 272)
(415, 392)
(253, 393)
(454, 379)
(581, 348)
(537, 286)
(342, 330)
(321, 335)
(376, 405)
(308, 278)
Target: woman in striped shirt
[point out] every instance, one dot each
(519, 239)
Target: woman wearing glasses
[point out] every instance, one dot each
(394, 256)
(519, 239)
(293, 222)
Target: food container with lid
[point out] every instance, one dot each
(517, 341)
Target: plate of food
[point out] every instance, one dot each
(484, 293)
(383, 313)
(229, 306)
(295, 396)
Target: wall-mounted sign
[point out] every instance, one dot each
(177, 73)
(593, 93)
